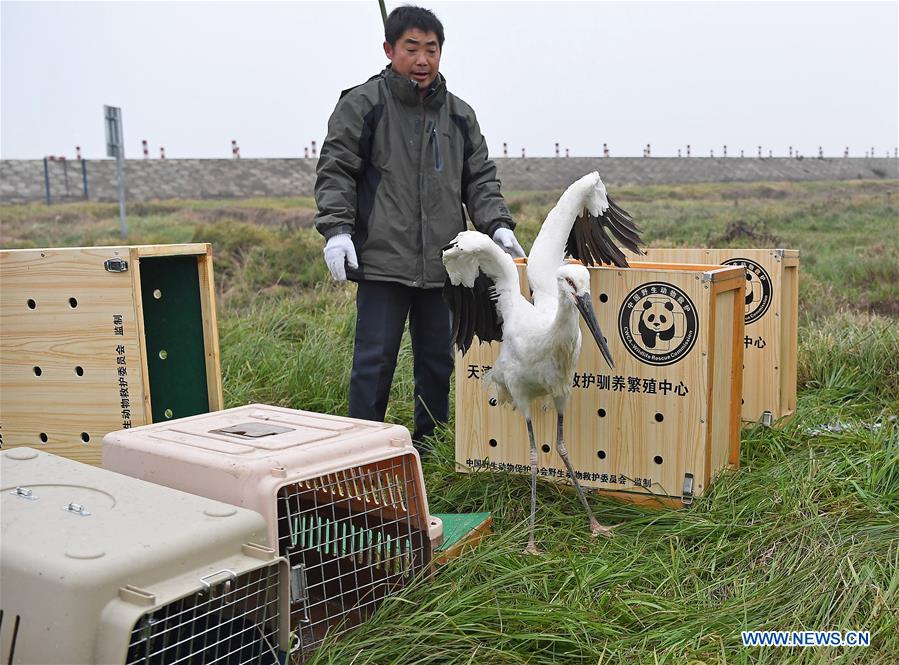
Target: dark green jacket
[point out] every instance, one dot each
(394, 172)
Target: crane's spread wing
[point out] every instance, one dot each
(474, 311)
(481, 288)
(578, 226)
(589, 240)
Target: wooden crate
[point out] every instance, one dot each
(98, 339)
(772, 313)
(656, 428)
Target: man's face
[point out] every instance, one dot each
(416, 56)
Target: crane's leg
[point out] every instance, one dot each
(532, 545)
(595, 527)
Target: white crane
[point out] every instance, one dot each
(541, 340)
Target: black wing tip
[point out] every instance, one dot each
(591, 239)
(473, 311)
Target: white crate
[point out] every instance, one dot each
(101, 568)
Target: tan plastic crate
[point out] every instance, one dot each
(659, 426)
(771, 337)
(101, 568)
(97, 339)
(344, 499)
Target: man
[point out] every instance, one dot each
(401, 158)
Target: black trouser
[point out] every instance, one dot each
(381, 311)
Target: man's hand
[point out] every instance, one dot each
(505, 238)
(339, 251)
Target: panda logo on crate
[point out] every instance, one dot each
(658, 323)
(758, 288)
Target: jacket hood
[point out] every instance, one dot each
(407, 91)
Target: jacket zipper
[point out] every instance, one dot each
(438, 161)
(421, 194)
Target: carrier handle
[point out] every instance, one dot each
(230, 573)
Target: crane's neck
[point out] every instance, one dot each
(565, 322)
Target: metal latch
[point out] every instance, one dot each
(24, 493)
(115, 265)
(687, 490)
(77, 508)
(298, 591)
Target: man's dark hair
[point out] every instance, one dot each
(407, 17)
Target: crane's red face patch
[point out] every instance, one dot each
(573, 292)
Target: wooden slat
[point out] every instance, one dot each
(141, 334)
(789, 338)
(198, 248)
(210, 331)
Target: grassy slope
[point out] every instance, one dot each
(804, 536)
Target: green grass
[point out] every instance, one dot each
(805, 535)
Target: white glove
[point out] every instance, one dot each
(505, 238)
(339, 251)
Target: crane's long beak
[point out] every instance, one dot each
(585, 307)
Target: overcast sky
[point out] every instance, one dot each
(194, 76)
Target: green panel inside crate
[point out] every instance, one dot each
(457, 525)
(173, 326)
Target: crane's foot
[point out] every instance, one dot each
(598, 529)
(532, 549)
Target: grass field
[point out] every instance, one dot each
(805, 535)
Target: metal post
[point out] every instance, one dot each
(65, 173)
(84, 177)
(557, 149)
(505, 149)
(115, 147)
(47, 179)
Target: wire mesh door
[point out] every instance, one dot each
(352, 537)
(233, 621)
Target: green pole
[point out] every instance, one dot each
(383, 11)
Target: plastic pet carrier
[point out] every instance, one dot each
(101, 568)
(343, 498)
